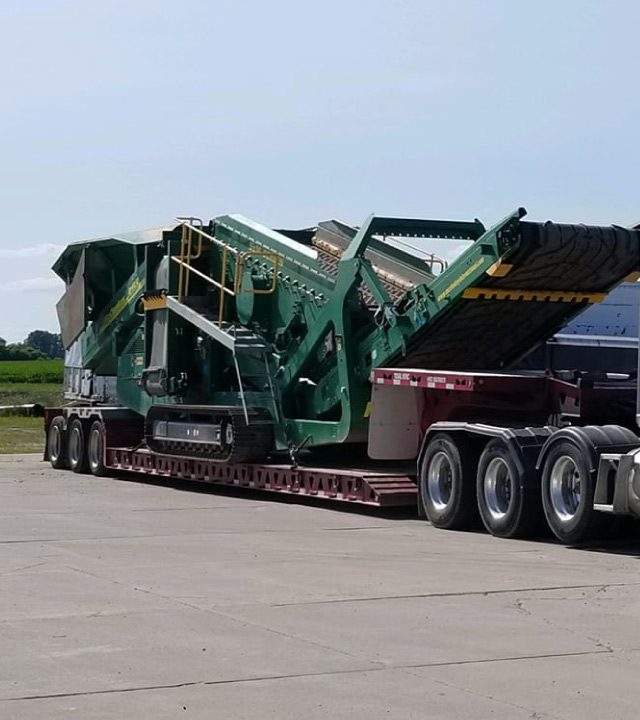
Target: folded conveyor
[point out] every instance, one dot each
(548, 275)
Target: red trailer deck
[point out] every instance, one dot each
(478, 442)
(123, 452)
(366, 486)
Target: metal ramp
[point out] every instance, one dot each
(234, 337)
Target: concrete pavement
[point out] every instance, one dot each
(122, 599)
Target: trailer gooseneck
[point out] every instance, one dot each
(233, 353)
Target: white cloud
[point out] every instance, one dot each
(36, 284)
(31, 251)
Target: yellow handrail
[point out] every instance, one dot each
(208, 279)
(187, 255)
(181, 270)
(189, 239)
(223, 284)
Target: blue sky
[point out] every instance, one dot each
(120, 115)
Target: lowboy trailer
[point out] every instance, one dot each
(297, 361)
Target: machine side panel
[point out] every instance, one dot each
(71, 308)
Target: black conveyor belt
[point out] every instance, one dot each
(481, 333)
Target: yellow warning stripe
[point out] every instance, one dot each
(499, 268)
(460, 279)
(154, 302)
(134, 288)
(476, 293)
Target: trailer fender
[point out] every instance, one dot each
(523, 443)
(592, 441)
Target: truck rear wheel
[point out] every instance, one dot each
(505, 507)
(446, 483)
(77, 447)
(56, 443)
(95, 449)
(568, 486)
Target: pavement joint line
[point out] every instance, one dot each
(467, 593)
(351, 529)
(125, 612)
(510, 658)
(91, 539)
(228, 616)
(293, 676)
(265, 531)
(519, 605)
(47, 513)
(474, 693)
(22, 568)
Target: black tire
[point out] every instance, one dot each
(95, 449)
(77, 447)
(447, 487)
(568, 486)
(508, 507)
(57, 443)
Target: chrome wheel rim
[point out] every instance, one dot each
(565, 488)
(440, 480)
(94, 450)
(498, 488)
(55, 442)
(74, 446)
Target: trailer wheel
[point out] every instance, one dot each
(56, 443)
(568, 485)
(446, 483)
(95, 449)
(505, 507)
(76, 447)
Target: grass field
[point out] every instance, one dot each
(23, 382)
(48, 394)
(21, 435)
(31, 371)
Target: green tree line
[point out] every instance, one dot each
(38, 345)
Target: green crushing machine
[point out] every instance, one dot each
(233, 341)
